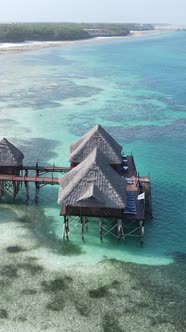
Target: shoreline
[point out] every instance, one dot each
(21, 47)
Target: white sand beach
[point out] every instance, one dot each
(31, 45)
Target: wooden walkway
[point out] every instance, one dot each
(53, 168)
(11, 182)
(36, 179)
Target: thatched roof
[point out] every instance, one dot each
(97, 137)
(9, 154)
(93, 183)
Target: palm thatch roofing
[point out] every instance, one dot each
(97, 137)
(93, 183)
(9, 154)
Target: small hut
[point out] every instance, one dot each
(10, 158)
(97, 137)
(93, 188)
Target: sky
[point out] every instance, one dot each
(141, 11)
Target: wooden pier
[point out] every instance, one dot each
(11, 182)
(45, 169)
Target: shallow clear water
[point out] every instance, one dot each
(136, 90)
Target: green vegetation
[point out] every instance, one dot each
(40, 32)
(21, 32)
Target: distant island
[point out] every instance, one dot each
(22, 32)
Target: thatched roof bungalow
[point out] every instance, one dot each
(97, 137)
(92, 188)
(10, 157)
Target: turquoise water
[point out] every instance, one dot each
(135, 89)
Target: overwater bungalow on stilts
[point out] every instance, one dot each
(101, 185)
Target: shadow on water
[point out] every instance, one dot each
(43, 228)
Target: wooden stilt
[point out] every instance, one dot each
(120, 230)
(0, 190)
(17, 187)
(86, 223)
(82, 227)
(14, 190)
(64, 227)
(101, 230)
(2, 187)
(36, 191)
(142, 229)
(37, 170)
(67, 228)
(27, 191)
(150, 203)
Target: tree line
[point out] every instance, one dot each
(21, 32)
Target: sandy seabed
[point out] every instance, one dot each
(106, 297)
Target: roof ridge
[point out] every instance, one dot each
(82, 147)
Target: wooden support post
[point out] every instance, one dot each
(64, 222)
(14, 190)
(65, 228)
(17, 187)
(142, 229)
(150, 202)
(101, 230)
(27, 191)
(86, 223)
(37, 170)
(0, 190)
(82, 227)
(120, 230)
(36, 191)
